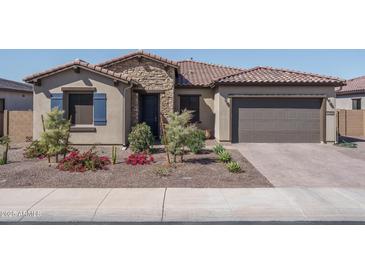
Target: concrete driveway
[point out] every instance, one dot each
(308, 165)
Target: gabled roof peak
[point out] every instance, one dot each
(139, 53)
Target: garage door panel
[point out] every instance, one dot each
(276, 120)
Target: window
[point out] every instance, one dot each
(356, 103)
(80, 109)
(191, 103)
(2, 105)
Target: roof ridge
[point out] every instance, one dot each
(138, 52)
(359, 77)
(284, 70)
(302, 72)
(210, 64)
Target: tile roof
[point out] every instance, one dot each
(16, 86)
(78, 63)
(353, 86)
(140, 53)
(193, 73)
(269, 75)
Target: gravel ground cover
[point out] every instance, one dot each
(201, 171)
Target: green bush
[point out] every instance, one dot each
(35, 150)
(161, 171)
(218, 149)
(177, 131)
(224, 156)
(233, 167)
(196, 141)
(141, 138)
(5, 142)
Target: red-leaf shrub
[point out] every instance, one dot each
(139, 159)
(76, 161)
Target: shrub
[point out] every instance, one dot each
(218, 149)
(196, 141)
(35, 150)
(161, 171)
(141, 138)
(139, 159)
(5, 142)
(224, 156)
(76, 161)
(233, 167)
(56, 134)
(177, 132)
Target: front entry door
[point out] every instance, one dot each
(2, 108)
(149, 110)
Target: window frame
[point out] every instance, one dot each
(197, 112)
(357, 101)
(69, 94)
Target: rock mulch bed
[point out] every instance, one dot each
(201, 171)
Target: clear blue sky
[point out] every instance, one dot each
(16, 64)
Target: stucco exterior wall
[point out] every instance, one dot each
(114, 132)
(16, 100)
(223, 113)
(345, 102)
(206, 104)
(152, 77)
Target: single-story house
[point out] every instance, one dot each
(352, 95)
(260, 104)
(14, 96)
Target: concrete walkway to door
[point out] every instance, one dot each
(307, 165)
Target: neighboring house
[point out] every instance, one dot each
(14, 96)
(262, 104)
(352, 95)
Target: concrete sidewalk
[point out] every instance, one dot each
(182, 205)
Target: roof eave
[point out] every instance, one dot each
(34, 78)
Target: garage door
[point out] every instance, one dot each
(276, 120)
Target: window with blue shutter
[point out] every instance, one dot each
(99, 109)
(57, 101)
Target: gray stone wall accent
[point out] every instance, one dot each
(152, 77)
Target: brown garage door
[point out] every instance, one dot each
(276, 120)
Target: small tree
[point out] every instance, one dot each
(4, 141)
(56, 134)
(177, 132)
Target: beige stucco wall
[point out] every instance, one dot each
(17, 100)
(114, 132)
(223, 113)
(206, 104)
(345, 102)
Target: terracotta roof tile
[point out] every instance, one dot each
(139, 53)
(193, 73)
(78, 63)
(16, 86)
(353, 86)
(269, 75)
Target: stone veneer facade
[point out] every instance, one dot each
(153, 77)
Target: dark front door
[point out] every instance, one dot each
(149, 110)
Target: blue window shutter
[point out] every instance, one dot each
(99, 109)
(57, 101)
